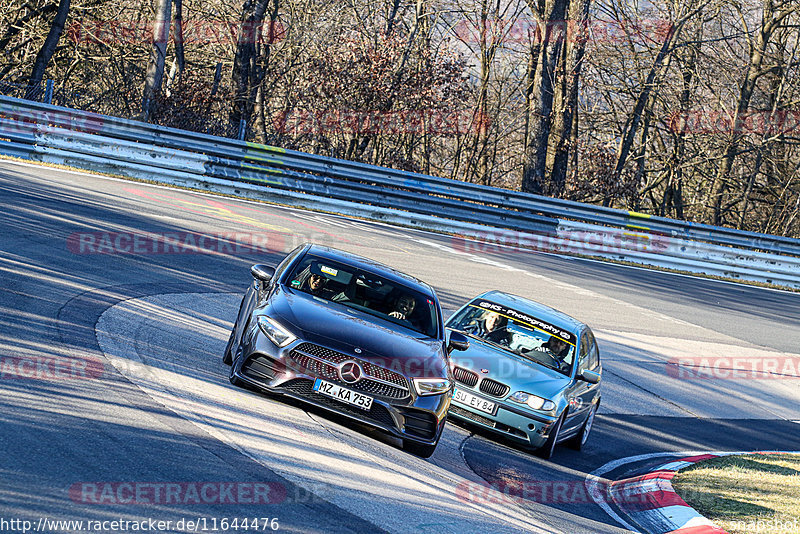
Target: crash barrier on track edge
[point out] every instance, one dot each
(481, 218)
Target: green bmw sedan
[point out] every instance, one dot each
(531, 373)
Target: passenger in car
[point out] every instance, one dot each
(556, 347)
(351, 294)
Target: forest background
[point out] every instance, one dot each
(680, 108)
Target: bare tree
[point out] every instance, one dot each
(551, 28)
(33, 89)
(651, 82)
(565, 115)
(158, 56)
(248, 66)
(773, 15)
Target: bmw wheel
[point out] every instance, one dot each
(546, 450)
(580, 438)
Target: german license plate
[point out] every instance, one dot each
(474, 401)
(348, 396)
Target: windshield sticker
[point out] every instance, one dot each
(328, 270)
(525, 319)
(296, 283)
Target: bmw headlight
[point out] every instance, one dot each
(275, 331)
(431, 386)
(534, 401)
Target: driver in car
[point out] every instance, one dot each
(403, 307)
(493, 327)
(316, 284)
(312, 283)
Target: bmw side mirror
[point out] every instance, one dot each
(458, 341)
(589, 376)
(262, 272)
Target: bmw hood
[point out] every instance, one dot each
(344, 330)
(519, 373)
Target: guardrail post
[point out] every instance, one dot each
(48, 92)
(242, 130)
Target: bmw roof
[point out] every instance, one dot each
(533, 308)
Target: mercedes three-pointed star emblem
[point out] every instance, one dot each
(350, 372)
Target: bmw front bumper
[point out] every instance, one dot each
(509, 420)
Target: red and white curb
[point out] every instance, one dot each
(649, 500)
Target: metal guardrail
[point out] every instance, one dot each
(42, 132)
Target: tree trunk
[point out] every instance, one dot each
(566, 111)
(769, 23)
(179, 64)
(392, 15)
(541, 100)
(33, 89)
(489, 43)
(672, 199)
(158, 55)
(720, 183)
(247, 75)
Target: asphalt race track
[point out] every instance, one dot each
(116, 406)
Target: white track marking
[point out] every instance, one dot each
(329, 216)
(374, 480)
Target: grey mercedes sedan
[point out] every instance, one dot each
(349, 335)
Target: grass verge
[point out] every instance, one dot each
(745, 494)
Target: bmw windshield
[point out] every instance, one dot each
(367, 292)
(518, 333)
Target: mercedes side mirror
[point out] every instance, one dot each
(458, 341)
(262, 274)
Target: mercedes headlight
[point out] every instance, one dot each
(431, 386)
(275, 331)
(534, 401)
